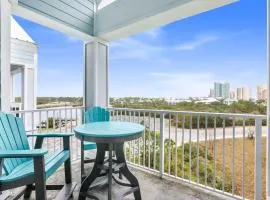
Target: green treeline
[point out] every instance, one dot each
(218, 107)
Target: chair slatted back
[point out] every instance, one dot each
(12, 137)
(97, 114)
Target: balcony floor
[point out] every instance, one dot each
(152, 187)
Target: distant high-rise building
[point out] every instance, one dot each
(217, 89)
(239, 94)
(221, 90)
(212, 93)
(265, 94)
(243, 93)
(246, 93)
(232, 95)
(262, 92)
(225, 90)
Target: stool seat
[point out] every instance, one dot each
(89, 145)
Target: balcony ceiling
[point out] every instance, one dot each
(103, 3)
(110, 19)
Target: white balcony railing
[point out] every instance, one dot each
(219, 152)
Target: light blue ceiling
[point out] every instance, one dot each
(78, 14)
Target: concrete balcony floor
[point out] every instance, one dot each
(152, 187)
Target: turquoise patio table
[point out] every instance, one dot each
(109, 136)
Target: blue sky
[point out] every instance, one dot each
(181, 59)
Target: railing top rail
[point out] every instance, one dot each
(213, 114)
(47, 109)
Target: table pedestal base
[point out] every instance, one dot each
(123, 170)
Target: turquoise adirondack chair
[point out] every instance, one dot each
(95, 114)
(21, 165)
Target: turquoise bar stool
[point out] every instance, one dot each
(95, 114)
(23, 166)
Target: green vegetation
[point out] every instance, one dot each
(219, 107)
(181, 163)
(72, 100)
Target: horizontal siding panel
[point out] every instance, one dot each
(22, 42)
(87, 3)
(56, 13)
(22, 50)
(21, 56)
(21, 61)
(18, 44)
(65, 8)
(16, 61)
(80, 7)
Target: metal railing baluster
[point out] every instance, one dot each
(189, 140)
(183, 143)
(169, 147)
(47, 127)
(144, 141)
(149, 141)
(215, 152)
(155, 141)
(176, 144)
(198, 150)
(205, 149)
(161, 153)
(223, 156)
(258, 159)
(133, 141)
(139, 142)
(54, 139)
(243, 159)
(233, 157)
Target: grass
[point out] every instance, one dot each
(238, 164)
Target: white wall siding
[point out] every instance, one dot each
(22, 52)
(78, 14)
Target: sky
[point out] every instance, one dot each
(182, 59)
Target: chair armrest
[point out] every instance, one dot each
(50, 135)
(22, 153)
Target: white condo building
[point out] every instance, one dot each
(243, 93)
(262, 92)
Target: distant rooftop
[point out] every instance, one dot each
(17, 32)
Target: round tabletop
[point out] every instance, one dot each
(109, 131)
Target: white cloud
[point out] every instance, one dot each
(197, 42)
(139, 47)
(131, 48)
(71, 39)
(154, 33)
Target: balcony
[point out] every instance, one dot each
(152, 187)
(208, 155)
(192, 155)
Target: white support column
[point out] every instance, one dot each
(28, 94)
(5, 23)
(96, 74)
(12, 88)
(28, 88)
